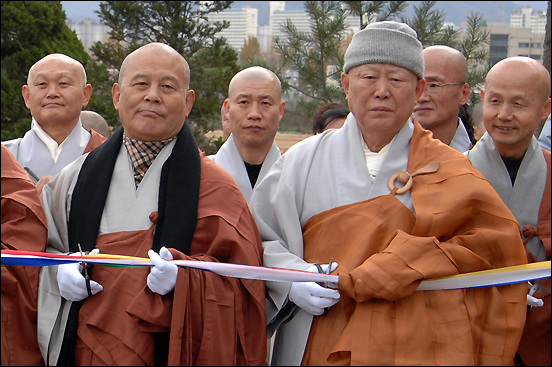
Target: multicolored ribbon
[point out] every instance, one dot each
(484, 278)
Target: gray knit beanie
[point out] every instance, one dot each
(388, 43)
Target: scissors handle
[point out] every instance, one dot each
(85, 272)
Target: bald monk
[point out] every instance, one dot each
(446, 75)
(23, 228)
(254, 109)
(515, 99)
(94, 121)
(396, 207)
(55, 93)
(149, 191)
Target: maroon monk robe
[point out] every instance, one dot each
(212, 319)
(24, 228)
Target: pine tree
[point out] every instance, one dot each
(316, 56)
(369, 11)
(429, 25)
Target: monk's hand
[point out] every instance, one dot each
(162, 276)
(312, 297)
(72, 284)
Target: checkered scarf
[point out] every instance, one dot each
(142, 154)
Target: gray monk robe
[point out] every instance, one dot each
(229, 158)
(529, 200)
(30, 151)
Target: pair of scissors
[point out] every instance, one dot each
(85, 272)
(329, 285)
(320, 270)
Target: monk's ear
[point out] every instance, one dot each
(546, 110)
(87, 94)
(420, 87)
(345, 83)
(190, 99)
(116, 95)
(25, 93)
(466, 93)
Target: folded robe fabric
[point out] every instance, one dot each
(384, 251)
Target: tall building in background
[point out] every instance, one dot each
(89, 31)
(276, 6)
(279, 18)
(529, 18)
(243, 23)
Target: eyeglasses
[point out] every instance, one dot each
(436, 88)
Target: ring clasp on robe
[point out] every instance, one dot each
(404, 178)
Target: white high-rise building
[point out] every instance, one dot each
(243, 23)
(279, 18)
(89, 31)
(529, 18)
(276, 6)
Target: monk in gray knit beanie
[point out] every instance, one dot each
(382, 79)
(386, 42)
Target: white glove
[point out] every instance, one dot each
(72, 284)
(311, 297)
(162, 276)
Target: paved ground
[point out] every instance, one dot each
(284, 141)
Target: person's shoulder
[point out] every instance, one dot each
(305, 150)
(12, 143)
(452, 162)
(218, 186)
(10, 167)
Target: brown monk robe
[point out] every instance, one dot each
(96, 139)
(534, 347)
(212, 319)
(23, 228)
(384, 251)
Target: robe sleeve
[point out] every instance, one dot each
(23, 228)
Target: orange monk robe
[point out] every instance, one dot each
(213, 320)
(23, 228)
(96, 139)
(384, 251)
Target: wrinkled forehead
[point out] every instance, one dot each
(155, 58)
(57, 65)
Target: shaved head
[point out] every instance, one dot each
(156, 49)
(455, 60)
(72, 63)
(523, 64)
(256, 74)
